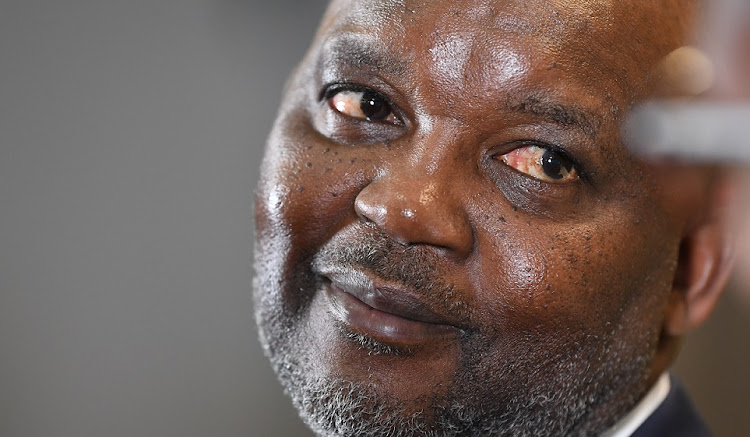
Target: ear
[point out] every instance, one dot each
(705, 261)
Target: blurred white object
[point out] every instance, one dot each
(710, 121)
(717, 132)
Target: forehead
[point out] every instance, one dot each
(524, 14)
(586, 49)
(596, 20)
(592, 26)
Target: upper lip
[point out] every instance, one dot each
(384, 296)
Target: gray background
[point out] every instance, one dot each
(130, 133)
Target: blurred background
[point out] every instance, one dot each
(130, 135)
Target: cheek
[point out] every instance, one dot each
(308, 186)
(582, 277)
(519, 271)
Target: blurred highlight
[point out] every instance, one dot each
(709, 121)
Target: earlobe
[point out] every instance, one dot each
(704, 263)
(702, 274)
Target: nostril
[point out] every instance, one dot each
(409, 216)
(368, 212)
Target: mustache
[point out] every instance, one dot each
(413, 266)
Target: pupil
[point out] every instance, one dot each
(554, 165)
(373, 106)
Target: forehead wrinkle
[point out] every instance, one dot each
(545, 19)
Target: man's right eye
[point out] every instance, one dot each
(362, 104)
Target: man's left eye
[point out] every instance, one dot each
(363, 105)
(541, 163)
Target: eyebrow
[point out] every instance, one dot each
(585, 120)
(360, 49)
(353, 48)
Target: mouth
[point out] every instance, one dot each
(385, 313)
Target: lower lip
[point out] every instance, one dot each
(385, 327)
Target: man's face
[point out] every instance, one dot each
(451, 239)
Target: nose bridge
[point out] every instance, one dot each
(418, 199)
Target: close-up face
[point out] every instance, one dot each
(451, 237)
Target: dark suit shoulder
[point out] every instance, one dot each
(676, 416)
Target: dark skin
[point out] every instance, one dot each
(446, 212)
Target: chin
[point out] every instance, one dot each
(344, 382)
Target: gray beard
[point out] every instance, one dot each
(529, 391)
(570, 403)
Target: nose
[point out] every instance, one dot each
(414, 208)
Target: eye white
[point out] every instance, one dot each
(349, 103)
(529, 160)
